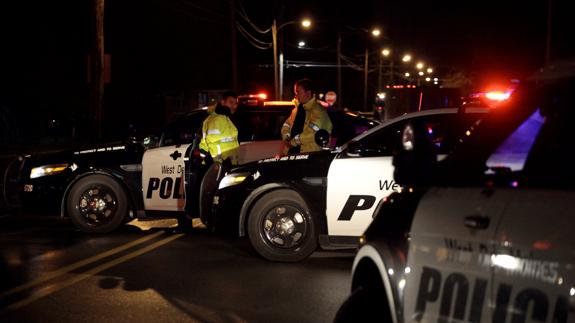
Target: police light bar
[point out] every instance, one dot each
(497, 95)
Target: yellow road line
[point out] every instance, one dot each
(79, 264)
(90, 273)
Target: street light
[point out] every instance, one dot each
(278, 88)
(375, 33)
(406, 58)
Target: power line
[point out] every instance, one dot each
(252, 40)
(242, 12)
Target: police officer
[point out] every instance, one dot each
(219, 134)
(309, 116)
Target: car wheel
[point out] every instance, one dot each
(97, 204)
(281, 228)
(364, 305)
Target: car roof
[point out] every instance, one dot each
(430, 112)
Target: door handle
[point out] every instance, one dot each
(476, 222)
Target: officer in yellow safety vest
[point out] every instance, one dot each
(309, 116)
(219, 134)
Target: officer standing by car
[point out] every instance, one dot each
(308, 117)
(219, 134)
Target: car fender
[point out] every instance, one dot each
(117, 176)
(369, 254)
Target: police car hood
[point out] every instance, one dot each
(292, 167)
(55, 155)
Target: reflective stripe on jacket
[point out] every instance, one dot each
(316, 118)
(220, 138)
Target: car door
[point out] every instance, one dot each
(363, 173)
(534, 263)
(449, 255)
(164, 168)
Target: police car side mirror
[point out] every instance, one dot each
(150, 142)
(322, 138)
(416, 158)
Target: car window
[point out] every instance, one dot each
(346, 127)
(443, 129)
(260, 125)
(551, 160)
(183, 130)
(512, 153)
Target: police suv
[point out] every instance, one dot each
(287, 204)
(492, 238)
(101, 187)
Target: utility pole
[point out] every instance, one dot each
(97, 66)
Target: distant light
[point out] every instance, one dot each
(306, 23)
(419, 65)
(407, 74)
(301, 44)
(429, 70)
(406, 58)
(407, 270)
(262, 96)
(572, 291)
(376, 32)
(390, 272)
(381, 95)
(420, 73)
(427, 79)
(435, 79)
(385, 52)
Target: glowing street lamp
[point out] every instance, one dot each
(301, 44)
(375, 32)
(429, 70)
(419, 65)
(406, 58)
(278, 80)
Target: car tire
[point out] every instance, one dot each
(364, 305)
(281, 227)
(97, 204)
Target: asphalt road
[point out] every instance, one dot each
(52, 273)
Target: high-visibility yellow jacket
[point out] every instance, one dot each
(220, 138)
(316, 118)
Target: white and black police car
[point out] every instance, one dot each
(287, 205)
(101, 187)
(488, 237)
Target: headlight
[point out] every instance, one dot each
(47, 170)
(233, 179)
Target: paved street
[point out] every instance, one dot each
(52, 273)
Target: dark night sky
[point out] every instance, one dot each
(175, 46)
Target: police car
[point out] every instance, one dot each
(101, 187)
(492, 238)
(286, 205)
